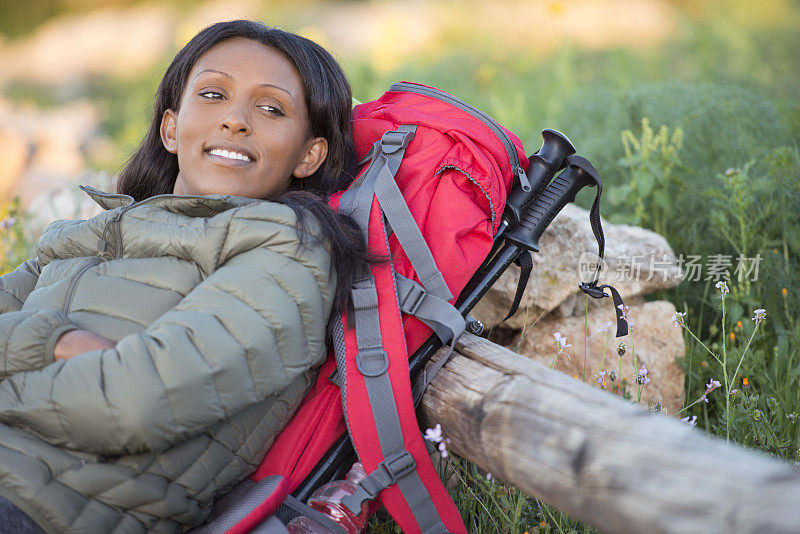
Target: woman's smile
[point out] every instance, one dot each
(230, 155)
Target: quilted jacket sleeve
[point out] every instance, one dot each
(27, 338)
(17, 285)
(238, 337)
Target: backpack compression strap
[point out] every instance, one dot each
(399, 466)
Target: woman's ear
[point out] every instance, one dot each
(316, 152)
(169, 129)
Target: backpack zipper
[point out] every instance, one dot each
(513, 158)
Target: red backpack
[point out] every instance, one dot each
(430, 195)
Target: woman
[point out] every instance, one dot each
(151, 353)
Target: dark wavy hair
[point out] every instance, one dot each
(152, 170)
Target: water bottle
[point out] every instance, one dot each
(328, 500)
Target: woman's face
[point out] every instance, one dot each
(242, 128)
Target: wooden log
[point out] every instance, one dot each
(601, 459)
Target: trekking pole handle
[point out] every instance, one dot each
(542, 166)
(547, 205)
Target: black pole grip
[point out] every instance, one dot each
(543, 165)
(547, 205)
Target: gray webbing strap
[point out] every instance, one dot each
(349, 200)
(391, 149)
(435, 312)
(372, 360)
(427, 374)
(408, 233)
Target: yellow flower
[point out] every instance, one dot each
(733, 336)
(745, 382)
(739, 324)
(703, 364)
(784, 292)
(556, 8)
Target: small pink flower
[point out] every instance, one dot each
(723, 287)
(641, 377)
(712, 385)
(677, 319)
(601, 379)
(434, 435)
(690, 422)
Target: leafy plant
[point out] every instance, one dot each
(652, 161)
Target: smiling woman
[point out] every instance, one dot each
(151, 353)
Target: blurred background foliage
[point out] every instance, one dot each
(688, 108)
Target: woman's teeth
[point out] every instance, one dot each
(229, 155)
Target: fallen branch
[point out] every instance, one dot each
(599, 458)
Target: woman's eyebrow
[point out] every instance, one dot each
(266, 85)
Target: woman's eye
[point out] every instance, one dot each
(212, 95)
(272, 110)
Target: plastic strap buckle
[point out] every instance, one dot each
(399, 465)
(393, 141)
(592, 290)
(412, 299)
(389, 471)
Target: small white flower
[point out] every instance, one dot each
(759, 315)
(690, 422)
(723, 287)
(443, 447)
(489, 476)
(677, 319)
(434, 435)
(601, 379)
(561, 343)
(623, 311)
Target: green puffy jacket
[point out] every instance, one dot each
(219, 317)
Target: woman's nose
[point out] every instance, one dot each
(236, 120)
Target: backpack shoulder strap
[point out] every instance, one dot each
(374, 373)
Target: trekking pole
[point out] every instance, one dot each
(543, 165)
(524, 237)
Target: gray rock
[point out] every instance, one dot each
(656, 341)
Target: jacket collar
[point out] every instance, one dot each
(180, 203)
